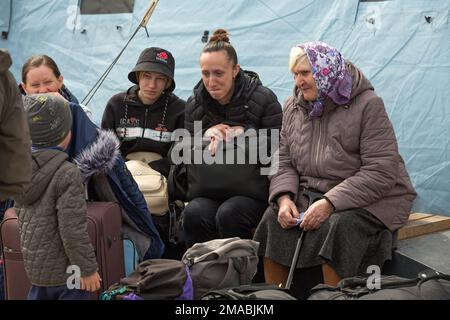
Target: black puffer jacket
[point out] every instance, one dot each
(252, 106)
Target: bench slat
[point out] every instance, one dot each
(420, 224)
(419, 215)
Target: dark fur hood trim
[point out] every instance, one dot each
(101, 156)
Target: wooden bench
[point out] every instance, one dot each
(423, 223)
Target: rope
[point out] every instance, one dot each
(105, 74)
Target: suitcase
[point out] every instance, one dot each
(130, 256)
(104, 222)
(16, 280)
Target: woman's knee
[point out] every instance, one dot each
(192, 214)
(342, 220)
(198, 211)
(227, 214)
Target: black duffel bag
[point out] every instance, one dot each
(429, 285)
(218, 181)
(258, 291)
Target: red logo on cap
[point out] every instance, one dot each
(162, 55)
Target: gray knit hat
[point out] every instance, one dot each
(49, 119)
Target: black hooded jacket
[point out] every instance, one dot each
(252, 106)
(125, 110)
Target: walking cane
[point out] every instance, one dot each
(296, 253)
(312, 196)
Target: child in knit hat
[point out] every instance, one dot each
(52, 210)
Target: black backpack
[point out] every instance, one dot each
(429, 285)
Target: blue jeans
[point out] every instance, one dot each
(56, 293)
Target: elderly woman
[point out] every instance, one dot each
(338, 141)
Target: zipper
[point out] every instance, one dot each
(189, 261)
(145, 122)
(315, 148)
(318, 146)
(317, 127)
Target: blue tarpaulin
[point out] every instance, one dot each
(403, 46)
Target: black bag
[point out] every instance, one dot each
(170, 228)
(218, 181)
(177, 182)
(429, 285)
(259, 291)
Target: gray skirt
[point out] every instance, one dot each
(349, 241)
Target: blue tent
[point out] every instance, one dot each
(402, 46)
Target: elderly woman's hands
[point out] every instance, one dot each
(287, 213)
(221, 132)
(316, 214)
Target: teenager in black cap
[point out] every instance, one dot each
(144, 116)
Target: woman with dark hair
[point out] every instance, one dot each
(227, 102)
(40, 74)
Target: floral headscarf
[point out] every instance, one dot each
(332, 78)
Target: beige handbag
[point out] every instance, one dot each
(143, 156)
(152, 184)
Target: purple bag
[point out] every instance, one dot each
(155, 279)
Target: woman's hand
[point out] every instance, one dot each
(233, 132)
(219, 133)
(316, 214)
(287, 213)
